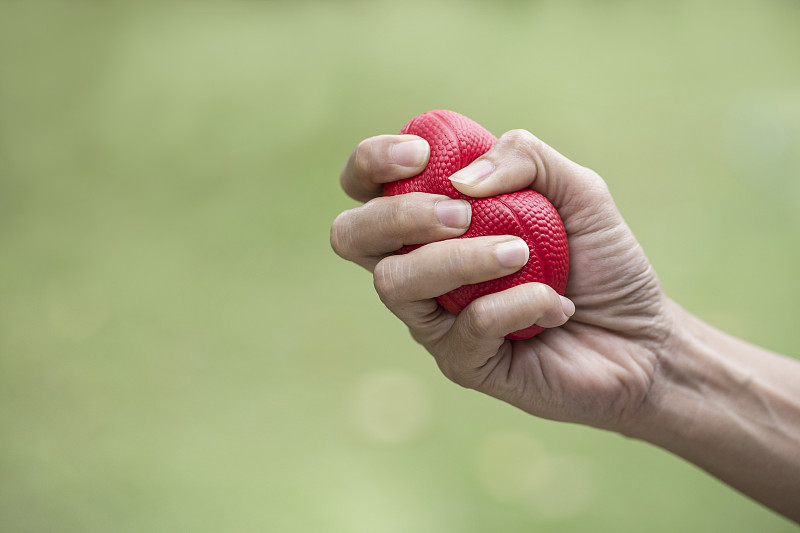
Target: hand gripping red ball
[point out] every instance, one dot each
(455, 142)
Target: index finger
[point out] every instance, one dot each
(382, 159)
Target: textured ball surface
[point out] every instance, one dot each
(455, 142)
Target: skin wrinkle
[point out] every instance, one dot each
(501, 378)
(628, 406)
(584, 222)
(631, 397)
(388, 213)
(340, 234)
(543, 376)
(428, 321)
(362, 162)
(491, 367)
(584, 219)
(623, 365)
(526, 147)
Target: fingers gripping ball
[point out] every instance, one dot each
(455, 142)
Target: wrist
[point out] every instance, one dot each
(691, 378)
(730, 408)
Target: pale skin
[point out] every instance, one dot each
(619, 354)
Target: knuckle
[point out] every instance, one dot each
(390, 212)
(521, 139)
(341, 236)
(396, 216)
(526, 147)
(596, 180)
(481, 318)
(363, 160)
(387, 280)
(385, 218)
(538, 292)
(592, 184)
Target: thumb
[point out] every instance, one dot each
(519, 160)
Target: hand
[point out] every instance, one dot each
(628, 360)
(597, 367)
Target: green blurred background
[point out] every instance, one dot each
(181, 351)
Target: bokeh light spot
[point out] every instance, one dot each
(389, 407)
(514, 468)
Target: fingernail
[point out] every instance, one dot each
(512, 254)
(567, 305)
(474, 173)
(454, 213)
(411, 153)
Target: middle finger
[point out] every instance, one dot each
(366, 234)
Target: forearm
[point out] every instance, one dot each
(731, 408)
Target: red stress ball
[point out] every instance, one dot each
(455, 142)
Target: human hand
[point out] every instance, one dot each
(596, 367)
(629, 359)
